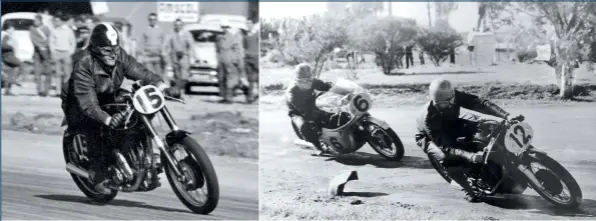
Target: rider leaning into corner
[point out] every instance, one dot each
(301, 99)
(95, 81)
(439, 125)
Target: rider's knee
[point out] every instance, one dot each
(434, 151)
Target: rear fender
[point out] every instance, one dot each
(176, 136)
(377, 121)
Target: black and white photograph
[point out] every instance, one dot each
(427, 110)
(130, 110)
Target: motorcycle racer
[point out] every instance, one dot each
(95, 81)
(439, 125)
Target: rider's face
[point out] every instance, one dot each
(445, 106)
(304, 84)
(109, 55)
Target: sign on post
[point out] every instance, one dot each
(99, 8)
(170, 11)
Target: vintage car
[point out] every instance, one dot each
(204, 63)
(22, 21)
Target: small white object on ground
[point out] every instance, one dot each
(337, 184)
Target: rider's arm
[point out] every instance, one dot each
(84, 93)
(320, 85)
(475, 103)
(138, 72)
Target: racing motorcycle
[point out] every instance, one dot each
(352, 124)
(134, 164)
(511, 164)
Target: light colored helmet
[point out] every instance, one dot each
(303, 71)
(440, 90)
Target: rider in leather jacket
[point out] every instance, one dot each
(95, 81)
(300, 98)
(439, 125)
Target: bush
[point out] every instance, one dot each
(385, 37)
(439, 43)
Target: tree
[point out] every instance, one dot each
(438, 43)
(573, 24)
(384, 36)
(444, 9)
(311, 39)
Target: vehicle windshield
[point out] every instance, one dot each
(203, 35)
(342, 89)
(19, 24)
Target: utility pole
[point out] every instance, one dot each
(429, 18)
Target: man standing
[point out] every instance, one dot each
(62, 46)
(40, 37)
(409, 56)
(10, 63)
(177, 48)
(251, 45)
(82, 41)
(152, 42)
(231, 64)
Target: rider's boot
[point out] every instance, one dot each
(470, 195)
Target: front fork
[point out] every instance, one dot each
(163, 147)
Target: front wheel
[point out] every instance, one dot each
(555, 183)
(201, 193)
(386, 143)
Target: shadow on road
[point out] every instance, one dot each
(361, 159)
(364, 194)
(542, 206)
(115, 202)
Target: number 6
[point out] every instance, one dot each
(361, 104)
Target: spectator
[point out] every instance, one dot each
(82, 40)
(10, 64)
(251, 45)
(231, 72)
(62, 45)
(409, 56)
(40, 37)
(421, 55)
(178, 48)
(152, 42)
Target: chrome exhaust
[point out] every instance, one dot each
(71, 168)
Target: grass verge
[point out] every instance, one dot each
(220, 133)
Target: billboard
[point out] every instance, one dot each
(170, 11)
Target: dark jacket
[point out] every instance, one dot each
(91, 86)
(433, 126)
(303, 102)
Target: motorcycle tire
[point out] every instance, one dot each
(399, 146)
(83, 184)
(563, 175)
(203, 163)
(439, 168)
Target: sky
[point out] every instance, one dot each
(462, 20)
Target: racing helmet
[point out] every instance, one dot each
(104, 43)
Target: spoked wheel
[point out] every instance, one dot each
(75, 149)
(201, 191)
(386, 143)
(555, 183)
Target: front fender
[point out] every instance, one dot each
(176, 136)
(377, 121)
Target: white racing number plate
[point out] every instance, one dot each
(519, 137)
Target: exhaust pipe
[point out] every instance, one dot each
(71, 168)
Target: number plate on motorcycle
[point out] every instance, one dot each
(519, 137)
(360, 104)
(148, 100)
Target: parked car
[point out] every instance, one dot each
(204, 62)
(22, 21)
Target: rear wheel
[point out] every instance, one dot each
(70, 145)
(555, 183)
(386, 143)
(201, 193)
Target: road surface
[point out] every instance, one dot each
(294, 184)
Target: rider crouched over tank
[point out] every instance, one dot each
(301, 97)
(441, 129)
(95, 81)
